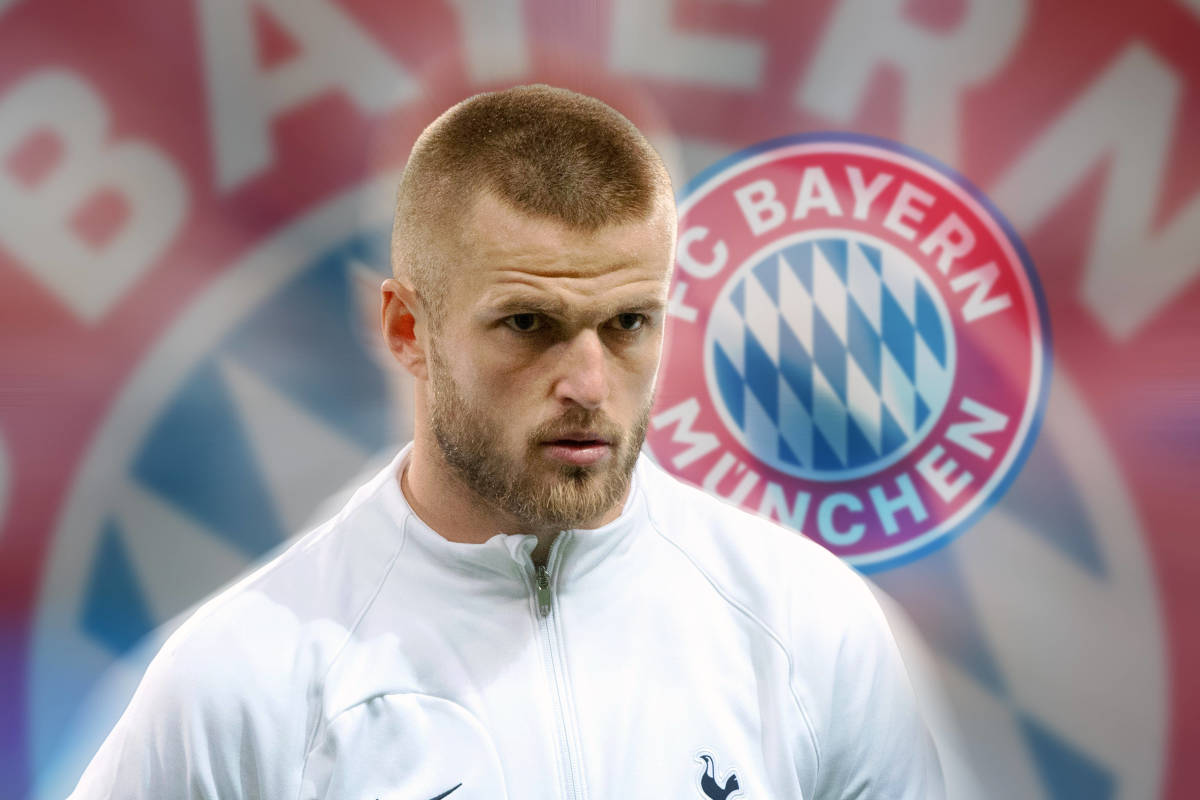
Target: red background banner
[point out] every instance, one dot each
(147, 149)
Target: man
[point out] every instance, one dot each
(520, 606)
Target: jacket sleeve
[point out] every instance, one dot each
(176, 741)
(872, 741)
(210, 719)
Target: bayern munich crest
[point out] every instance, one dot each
(858, 346)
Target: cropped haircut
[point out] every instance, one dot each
(550, 153)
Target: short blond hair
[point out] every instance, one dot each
(550, 153)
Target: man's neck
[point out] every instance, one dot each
(455, 512)
(458, 514)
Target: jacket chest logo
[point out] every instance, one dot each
(713, 784)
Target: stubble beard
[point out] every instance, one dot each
(537, 492)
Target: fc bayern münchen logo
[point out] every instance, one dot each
(858, 345)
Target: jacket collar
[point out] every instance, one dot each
(579, 550)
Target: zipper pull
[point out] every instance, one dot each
(543, 590)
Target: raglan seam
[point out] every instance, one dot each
(771, 634)
(310, 739)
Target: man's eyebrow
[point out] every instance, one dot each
(647, 305)
(526, 304)
(529, 304)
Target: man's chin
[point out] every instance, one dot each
(553, 478)
(567, 496)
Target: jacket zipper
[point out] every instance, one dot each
(547, 625)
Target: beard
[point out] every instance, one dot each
(533, 489)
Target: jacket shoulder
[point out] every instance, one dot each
(756, 560)
(232, 692)
(317, 583)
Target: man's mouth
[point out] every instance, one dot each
(577, 449)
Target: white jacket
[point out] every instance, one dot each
(686, 650)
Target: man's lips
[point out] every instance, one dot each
(577, 449)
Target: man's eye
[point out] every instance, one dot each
(524, 323)
(629, 322)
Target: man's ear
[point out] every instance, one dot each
(404, 327)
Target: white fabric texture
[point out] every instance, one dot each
(689, 648)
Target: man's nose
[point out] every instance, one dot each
(583, 376)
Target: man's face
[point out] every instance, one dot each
(541, 372)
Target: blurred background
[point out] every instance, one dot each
(194, 206)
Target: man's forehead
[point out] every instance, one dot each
(501, 236)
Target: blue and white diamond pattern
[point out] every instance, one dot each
(830, 357)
